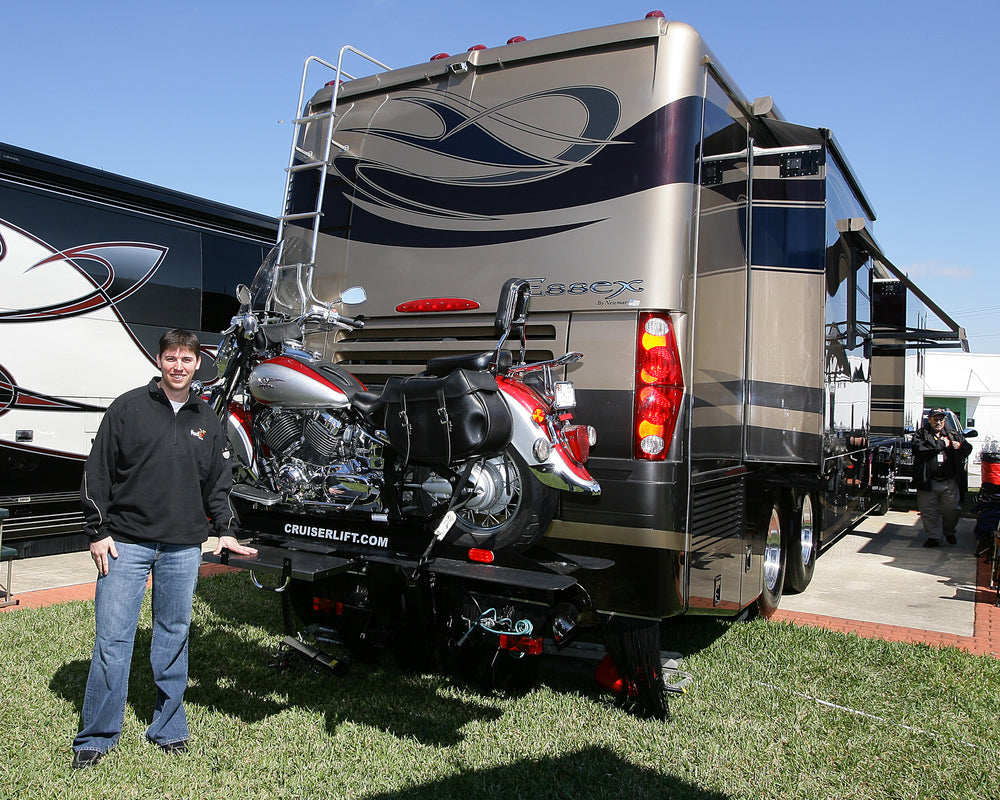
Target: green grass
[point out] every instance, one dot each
(906, 721)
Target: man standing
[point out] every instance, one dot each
(155, 484)
(939, 476)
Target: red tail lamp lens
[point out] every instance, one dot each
(578, 438)
(659, 386)
(431, 305)
(521, 644)
(481, 555)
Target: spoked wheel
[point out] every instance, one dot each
(801, 546)
(509, 507)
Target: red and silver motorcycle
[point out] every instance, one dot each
(470, 453)
(409, 518)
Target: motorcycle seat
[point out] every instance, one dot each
(480, 362)
(367, 402)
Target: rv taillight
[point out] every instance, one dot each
(659, 386)
(432, 304)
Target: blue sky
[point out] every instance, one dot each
(198, 96)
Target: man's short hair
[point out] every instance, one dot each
(180, 338)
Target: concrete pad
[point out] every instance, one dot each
(50, 572)
(882, 573)
(65, 569)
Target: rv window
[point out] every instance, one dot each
(225, 264)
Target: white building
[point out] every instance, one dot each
(967, 383)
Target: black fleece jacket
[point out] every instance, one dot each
(153, 476)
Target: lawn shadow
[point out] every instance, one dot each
(249, 681)
(237, 678)
(594, 773)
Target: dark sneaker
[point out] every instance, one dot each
(950, 538)
(174, 748)
(82, 759)
(932, 543)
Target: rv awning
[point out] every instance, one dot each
(855, 231)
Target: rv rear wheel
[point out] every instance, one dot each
(801, 546)
(772, 522)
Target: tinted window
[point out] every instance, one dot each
(226, 263)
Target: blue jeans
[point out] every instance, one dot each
(117, 603)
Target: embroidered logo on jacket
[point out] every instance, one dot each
(199, 434)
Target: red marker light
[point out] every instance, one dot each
(655, 15)
(516, 40)
(481, 556)
(431, 305)
(477, 47)
(439, 56)
(521, 644)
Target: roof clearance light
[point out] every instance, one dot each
(477, 47)
(432, 305)
(657, 14)
(659, 386)
(439, 56)
(516, 40)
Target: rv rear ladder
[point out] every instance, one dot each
(322, 164)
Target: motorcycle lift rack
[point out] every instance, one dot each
(308, 565)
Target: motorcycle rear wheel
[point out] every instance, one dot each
(512, 508)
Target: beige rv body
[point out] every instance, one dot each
(620, 171)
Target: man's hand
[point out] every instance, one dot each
(233, 546)
(100, 551)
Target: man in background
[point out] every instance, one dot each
(939, 476)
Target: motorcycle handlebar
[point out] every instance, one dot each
(332, 317)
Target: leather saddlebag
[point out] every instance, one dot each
(436, 421)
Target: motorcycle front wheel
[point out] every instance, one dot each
(510, 507)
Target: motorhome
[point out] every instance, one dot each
(715, 263)
(94, 267)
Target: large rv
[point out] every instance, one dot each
(93, 268)
(714, 262)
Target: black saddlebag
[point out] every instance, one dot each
(436, 421)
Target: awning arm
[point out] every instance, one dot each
(855, 228)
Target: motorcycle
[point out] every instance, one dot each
(475, 448)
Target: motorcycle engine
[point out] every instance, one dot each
(320, 458)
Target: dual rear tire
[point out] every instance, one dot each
(787, 526)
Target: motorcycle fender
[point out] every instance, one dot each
(559, 470)
(238, 434)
